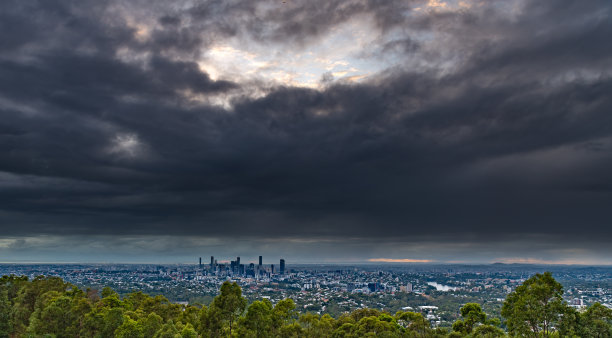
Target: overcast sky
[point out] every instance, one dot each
(336, 131)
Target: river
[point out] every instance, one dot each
(441, 287)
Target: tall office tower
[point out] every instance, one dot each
(271, 268)
(260, 260)
(200, 262)
(237, 260)
(282, 266)
(409, 287)
(212, 261)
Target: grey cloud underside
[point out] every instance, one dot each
(514, 139)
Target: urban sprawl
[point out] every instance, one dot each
(437, 291)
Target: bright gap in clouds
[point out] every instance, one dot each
(351, 52)
(336, 56)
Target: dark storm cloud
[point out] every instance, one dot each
(509, 132)
(295, 22)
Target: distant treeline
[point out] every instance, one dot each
(50, 307)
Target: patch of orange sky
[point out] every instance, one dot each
(399, 260)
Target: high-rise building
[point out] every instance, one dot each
(212, 261)
(409, 287)
(237, 260)
(271, 268)
(373, 287)
(200, 262)
(260, 260)
(250, 271)
(282, 266)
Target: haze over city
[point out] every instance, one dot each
(355, 131)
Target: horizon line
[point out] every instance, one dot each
(373, 261)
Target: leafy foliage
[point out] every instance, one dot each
(535, 307)
(49, 307)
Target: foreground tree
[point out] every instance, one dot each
(596, 321)
(257, 321)
(317, 326)
(226, 308)
(6, 324)
(413, 323)
(474, 322)
(535, 307)
(472, 314)
(26, 298)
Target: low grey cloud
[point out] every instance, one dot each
(488, 121)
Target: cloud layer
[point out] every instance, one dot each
(469, 121)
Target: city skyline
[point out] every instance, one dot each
(337, 131)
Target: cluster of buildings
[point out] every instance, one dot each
(235, 268)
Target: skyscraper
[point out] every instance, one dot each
(282, 266)
(260, 260)
(200, 262)
(212, 261)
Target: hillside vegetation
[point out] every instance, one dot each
(50, 307)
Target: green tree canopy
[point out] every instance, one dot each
(535, 307)
(596, 321)
(49, 307)
(229, 305)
